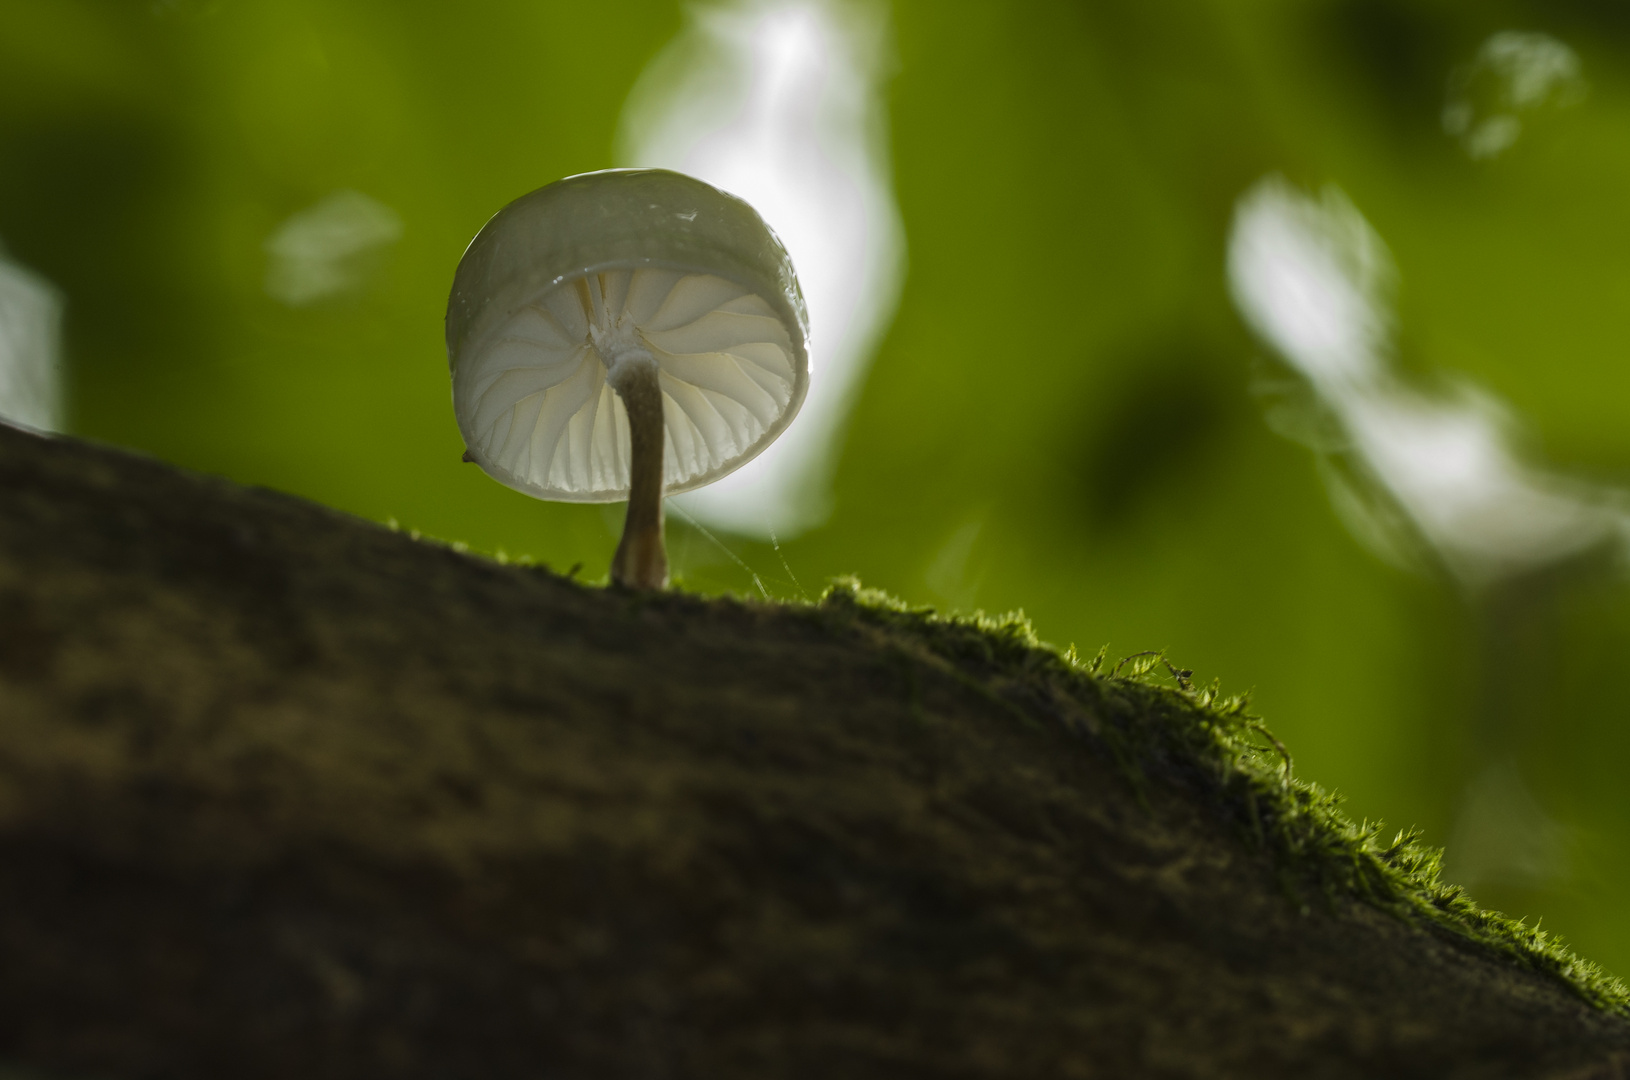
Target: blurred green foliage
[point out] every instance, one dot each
(1060, 418)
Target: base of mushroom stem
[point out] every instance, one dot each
(641, 561)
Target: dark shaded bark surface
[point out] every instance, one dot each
(286, 794)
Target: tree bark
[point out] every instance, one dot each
(286, 794)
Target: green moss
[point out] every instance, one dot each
(1150, 718)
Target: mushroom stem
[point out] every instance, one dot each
(641, 561)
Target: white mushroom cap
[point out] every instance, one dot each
(565, 281)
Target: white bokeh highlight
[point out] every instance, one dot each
(1314, 281)
(1514, 73)
(780, 102)
(328, 249)
(30, 348)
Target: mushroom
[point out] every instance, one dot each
(624, 334)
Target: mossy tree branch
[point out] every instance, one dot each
(285, 794)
